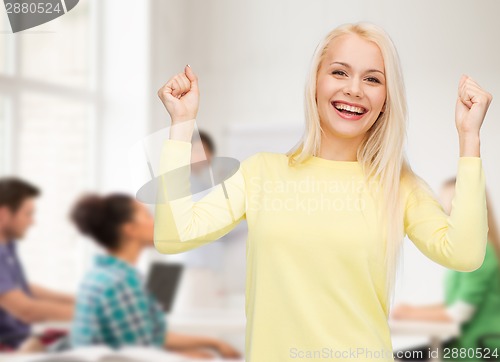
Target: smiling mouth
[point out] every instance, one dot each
(349, 110)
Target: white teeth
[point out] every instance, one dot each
(346, 107)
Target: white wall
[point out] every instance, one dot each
(252, 59)
(124, 72)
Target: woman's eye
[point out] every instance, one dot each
(375, 80)
(339, 72)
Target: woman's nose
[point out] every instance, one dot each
(353, 88)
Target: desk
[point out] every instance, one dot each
(196, 321)
(228, 325)
(96, 354)
(436, 331)
(218, 322)
(208, 321)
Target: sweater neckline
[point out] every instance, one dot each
(323, 162)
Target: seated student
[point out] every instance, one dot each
(22, 303)
(471, 299)
(113, 306)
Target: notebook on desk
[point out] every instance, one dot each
(163, 281)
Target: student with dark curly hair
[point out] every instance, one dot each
(113, 306)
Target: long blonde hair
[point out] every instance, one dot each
(381, 153)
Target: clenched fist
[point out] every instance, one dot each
(181, 96)
(471, 107)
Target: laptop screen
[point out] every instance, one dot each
(163, 281)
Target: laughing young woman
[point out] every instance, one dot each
(321, 259)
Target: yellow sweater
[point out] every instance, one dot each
(315, 281)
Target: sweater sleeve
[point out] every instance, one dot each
(474, 287)
(456, 241)
(180, 223)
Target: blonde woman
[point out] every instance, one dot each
(326, 219)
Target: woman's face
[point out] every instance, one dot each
(141, 227)
(351, 76)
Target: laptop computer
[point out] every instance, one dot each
(163, 281)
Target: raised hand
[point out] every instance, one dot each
(181, 96)
(471, 107)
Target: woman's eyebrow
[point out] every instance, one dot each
(348, 66)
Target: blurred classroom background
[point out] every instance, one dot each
(78, 93)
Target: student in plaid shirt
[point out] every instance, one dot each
(112, 296)
(112, 305)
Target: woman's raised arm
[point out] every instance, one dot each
(180, 223)
(457, 241)
(470, 110)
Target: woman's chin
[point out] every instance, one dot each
(342, 129)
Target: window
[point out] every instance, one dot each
(49, 103)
